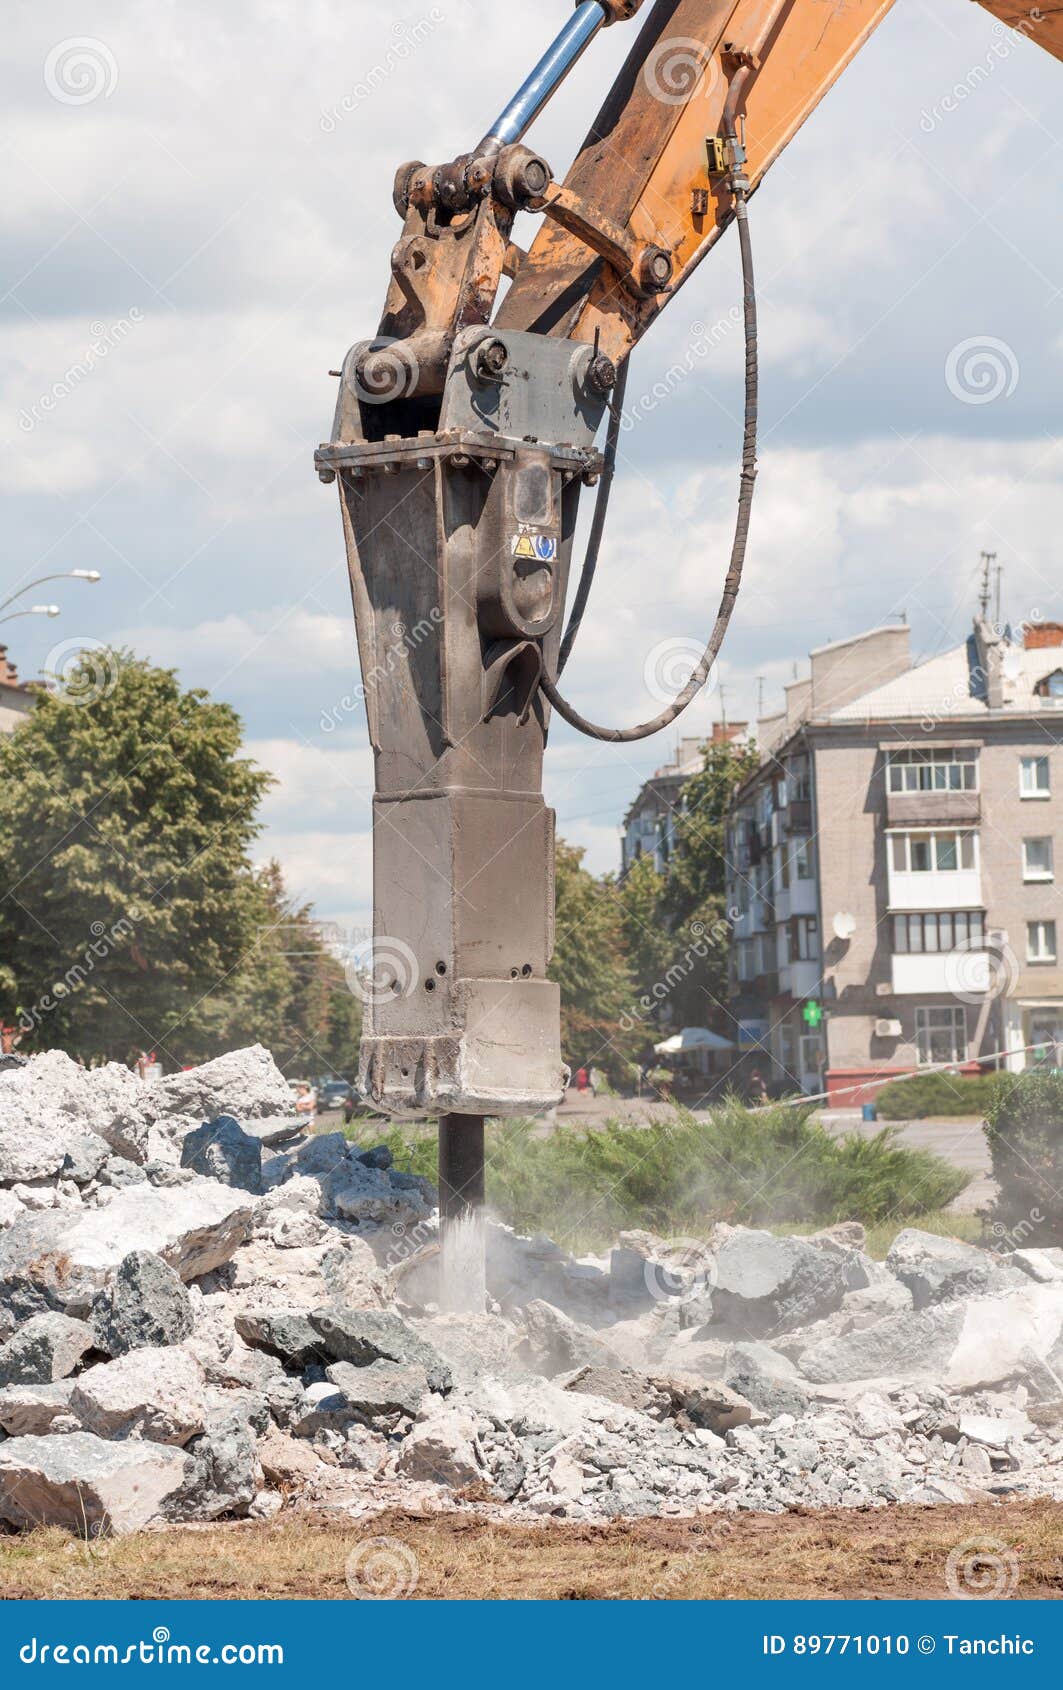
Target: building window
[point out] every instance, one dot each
(804, 939)
(1037, 859)
(1033, 777)
(1051, 686)
(1040, 941)
(798, 781)
(923, 853)
(939, 930)
(937, 768)
(941, 1034)
(803, 859)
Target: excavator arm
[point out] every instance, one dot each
(464, 431)
(654, 163)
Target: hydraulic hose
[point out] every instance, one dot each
(601, 510)
(733, 578)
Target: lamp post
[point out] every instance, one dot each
(90, 575)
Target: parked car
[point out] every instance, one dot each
(333, 1094)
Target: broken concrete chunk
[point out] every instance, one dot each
(221, 1150)
(622, 1385)
(918, 1345)
(1044, 1266)
(63, 1260)
(44, 1348)
(223, 1466)
(765, 1284)
(283, 1333)
(33, 1410)
(708, 1403)
(362, 1336)
(87, 1484)
(766, 1379)
(146, 1305)
(874, 1416)
(937, 1269)
(285, 1461)
(157, 1394)
(554, 1343)
(382, 1391)
(842, 1237)
(441, 1448)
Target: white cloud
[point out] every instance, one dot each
(208, 193)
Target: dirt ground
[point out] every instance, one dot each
(899, 1552)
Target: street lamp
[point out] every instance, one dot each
(90, 575)
(34, 610)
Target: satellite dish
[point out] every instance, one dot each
(844, 925)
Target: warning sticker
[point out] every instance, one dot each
(540, 547)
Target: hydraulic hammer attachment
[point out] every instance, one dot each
(459, 541)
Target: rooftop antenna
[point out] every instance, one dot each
(760, 697)
(988, 560)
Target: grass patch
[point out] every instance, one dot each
(943, 1223)
(937, 1094)
(875, 1553)
(775, 1168)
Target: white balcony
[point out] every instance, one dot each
(803, 897)
(743, 925)
(954, 972)
(935, 889)
(806, 978)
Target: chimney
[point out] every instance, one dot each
(1040, 635)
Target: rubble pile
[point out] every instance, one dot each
(206, 1314)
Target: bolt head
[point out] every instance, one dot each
(601, 374)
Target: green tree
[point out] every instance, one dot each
(292, 992)
(694, 905)
(676, 924)
(127, 899)
(590, 965)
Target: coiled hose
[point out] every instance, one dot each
(733, 578)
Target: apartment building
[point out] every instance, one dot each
(649, 827)
(16, 698)
(893, 861)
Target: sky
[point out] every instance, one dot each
(196, 223)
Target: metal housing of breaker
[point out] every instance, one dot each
(459, 542)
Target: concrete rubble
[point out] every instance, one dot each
(205, 1314)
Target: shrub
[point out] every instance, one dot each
(1025, 1132)
(679, 1175)
(937, 1094)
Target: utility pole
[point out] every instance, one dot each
(988, 560)
(999, 575)
(760, 697)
